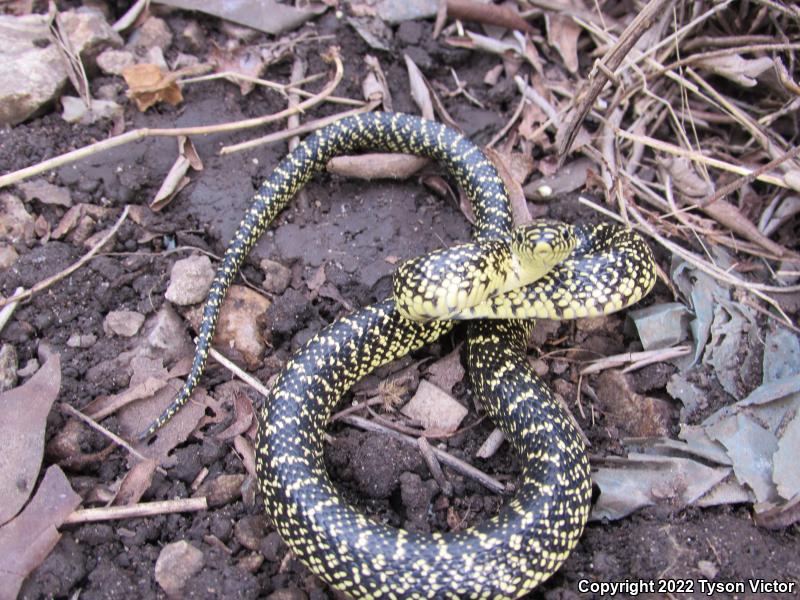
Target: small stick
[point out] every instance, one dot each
(45, 283)
(9, 308)
(451, 461)
(137, 134)
(306, 128)
(109, 434)
(145, 509)
(434, 466)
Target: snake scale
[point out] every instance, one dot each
(530, 537)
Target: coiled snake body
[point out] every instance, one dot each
(531, 536)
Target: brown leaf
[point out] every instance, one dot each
(419, 89)
(135, 483)
(27, 540)
(519, 206)
(739, 70)
(244, 415)
(176, 179)
(562, 34)
(148, 84)
(447, 371)
(22, 433)
(377, 166)
(242, 60)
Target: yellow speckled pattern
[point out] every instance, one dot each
(531, 536)
(546, 271)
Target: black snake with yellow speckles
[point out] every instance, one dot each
(531, 536)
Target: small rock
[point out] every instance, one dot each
(8, 256)
(240, 324)
(76, 111)
(45, 192)
(288, 594)
(8, 367)
(393, 12)
(113, 62)
(89, 32)
(190, 280)
(16, 224)
(251, 563)
(154, 32)
(276, 276)
(250, 530)
(176, 565)
(434, 409)
(540, 367)
(416, 496)
(707, 568)
(125, 323)
(32, 72)
(194, 37)
(221, 490)
(272, 547)
(81, 340)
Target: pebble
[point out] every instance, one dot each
(190, 280)
(153, 33)
(249, 531)
(272, 547)
(222, 490)
(8, 367)
(276, 276)
(125, 323)
(176, 565)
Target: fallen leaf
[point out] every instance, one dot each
(739, 70)
(135, 483)
(562, 34)
(244, 414)
(45, 192)
(419, 89)
(264, 15)
(242, 60)
(22, 432)
(27, 540)
(149, 84)
(176, 179)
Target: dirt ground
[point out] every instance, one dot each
(350, 227)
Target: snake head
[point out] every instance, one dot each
(541, 245)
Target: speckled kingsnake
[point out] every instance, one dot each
(529, 538)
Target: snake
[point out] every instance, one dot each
(593, 269)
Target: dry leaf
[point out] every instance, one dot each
(419, 89)
(176, 179)
(242, 60)
(148, 84)
(562, 34)
(22, 432)
(27, 540)
(740, 70)
(377, 166)
(135, 483)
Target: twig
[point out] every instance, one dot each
(434, 467)
(451, 461)
(146, 509)
(699, 157)
(9, 308)
(306, 128)
(749, 178)
(45, 283)
(637, 359)
(109, 434)
(612, 59)
(137, 134)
